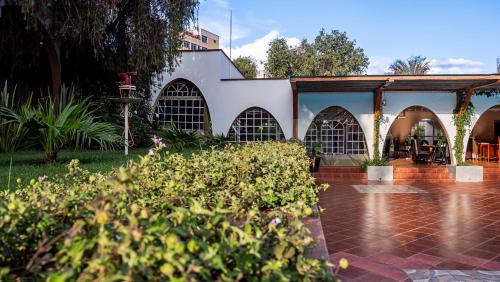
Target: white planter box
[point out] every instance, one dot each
(381, 173)
(466, 173)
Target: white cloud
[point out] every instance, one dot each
(258, 48)
(455, 66)
(379, 65)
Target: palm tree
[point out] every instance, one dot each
(414, 65)
(74, 123)
(13, 124)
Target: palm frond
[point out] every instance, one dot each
(412, 66)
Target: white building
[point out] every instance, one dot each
(208, 93)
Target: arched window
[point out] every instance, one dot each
(332, 137)
(255, 124)
(338, 131)
(311, 136)
(182, 104)
(355, 141)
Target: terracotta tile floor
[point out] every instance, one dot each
(451, 227)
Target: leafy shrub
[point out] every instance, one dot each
(232, 214)
(375, 162)
(178, 138)
(217, 141)
(13, 123)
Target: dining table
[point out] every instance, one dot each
(488, 156)
(428, 147)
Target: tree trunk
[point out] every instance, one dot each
(53, 52)
(51, 157)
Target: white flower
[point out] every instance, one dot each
(158, 142)
(151, 152)
(275, 221)
(42, 178)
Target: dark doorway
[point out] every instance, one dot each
(497, 129)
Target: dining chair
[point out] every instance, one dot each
(419, 154)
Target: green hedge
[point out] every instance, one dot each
(226, 215)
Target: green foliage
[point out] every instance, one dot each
(376, 143)
(178, 138)
(56, 126)
(227, 215)
(330, 54)
(375, 162)
(115, 29)
(13, 122)
(420, 132)
(337, 55)
(414, 65)
(281, 59)
(217, 141)
(74, 123)
(441, 137)
(247, 66)
(462, 121)
(316, 148)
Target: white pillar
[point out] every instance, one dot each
(126, 129)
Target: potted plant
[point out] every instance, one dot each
(315, 157)
(379, 169)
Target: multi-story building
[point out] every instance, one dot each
(200, 40)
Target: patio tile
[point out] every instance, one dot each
(450, 227)
(427, 259)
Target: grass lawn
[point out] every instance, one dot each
(31, 164)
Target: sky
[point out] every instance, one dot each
(456, 36)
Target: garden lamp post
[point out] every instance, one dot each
(127, 97)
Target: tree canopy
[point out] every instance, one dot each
(330, 54)
(89, 41)
(247, 66)
(413, 66)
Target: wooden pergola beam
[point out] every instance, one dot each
(397, 77)
(470, 91)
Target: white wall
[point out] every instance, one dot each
(440, 103)
(359, 104)
(226, 99)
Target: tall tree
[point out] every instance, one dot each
(280, 58)
(330, 54)
(247, 66)
(119, 35)
(337, 55)
(414, 65)
(498, 65)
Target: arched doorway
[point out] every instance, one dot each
(255, 124)
(485, 131)
(182, 103)
(421, 124)
(340, 136)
